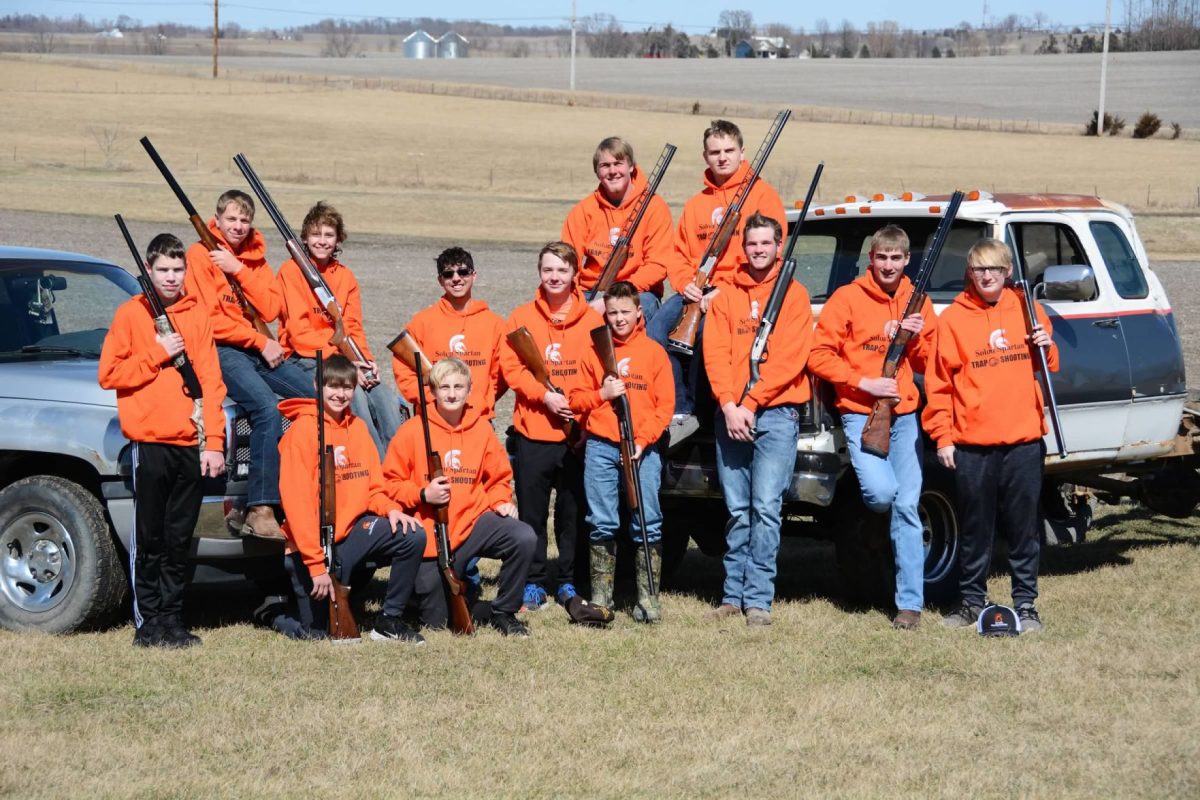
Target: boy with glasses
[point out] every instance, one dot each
(986, 418)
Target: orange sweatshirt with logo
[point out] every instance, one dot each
(854, 333)
(151, 404)
(594, 224)
(472, 458)
(643, 364)
(733, 320)
(304, 327)
(563, 344)
(703, 213)
(473, 336)
(981, 387)
(357, 478)
(211, 286)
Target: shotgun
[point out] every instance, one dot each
(522, 343)
(209, 241)
(877, 433)
(404, 347)
(603, 342)
(620, 249)
(683, 338)
(342, 626)
(312, 275)
(1040, 363)
(460, 615)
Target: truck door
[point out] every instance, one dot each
(1093, 385)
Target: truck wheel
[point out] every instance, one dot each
(695, 523)
(59, 568)
(863, 549)
(939, 523)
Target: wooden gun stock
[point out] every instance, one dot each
(342, 625)
(522, 343)
(682, 338)
(404, 348)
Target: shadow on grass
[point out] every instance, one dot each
(1112, 536)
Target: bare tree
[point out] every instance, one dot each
(734, 25)
(849, 40)
(155, 42)
(44, 41)
(605, 37)
(109, 142)
(822, 29)
(340, 40)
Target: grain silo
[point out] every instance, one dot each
(420, 44)
(452, 45)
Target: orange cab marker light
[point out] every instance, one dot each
(935, 209)
(972, 195)
(840, 210)
(907, 197)
(820, 212)
(864, 209)
(850, 198)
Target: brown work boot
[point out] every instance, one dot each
(261, 522)
(722, 612)
(758, 617)
(907, 620)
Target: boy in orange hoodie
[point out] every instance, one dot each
(305, 327)
(596, 221)
(645, 379)
(458, 326)
(368, 524)
(756, 434)
(724, 154)
(476, 487)
(169, 461)
(560, 322)
(252, 365)
(853, 336)
(985, 415)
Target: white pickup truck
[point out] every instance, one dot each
(1121, 386)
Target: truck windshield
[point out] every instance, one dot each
(59, 309)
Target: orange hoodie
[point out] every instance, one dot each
(733, 320)
(357, 478)
(563, 345)
(472, 458)
(211, 286)
(981, 387)
(594, 224)
(150, 400)
(649, 385)
(701, 216)
(853, 335)
(304, 328)
(473, 336)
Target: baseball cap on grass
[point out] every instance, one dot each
(998, 620)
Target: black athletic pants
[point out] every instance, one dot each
(539, 467)
(493, 536)
(167, 495)
(1004, 483)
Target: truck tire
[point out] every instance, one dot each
(940, 530)
(59, 568)
(696, 522)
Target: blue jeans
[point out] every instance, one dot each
(254, 386)
(604, 487)
(379, 407)
(688, 371)
(754, 476)
(894, 484)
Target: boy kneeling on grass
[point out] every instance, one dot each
(985, 416)
(368, 525)
(169, 459)
(476, 487)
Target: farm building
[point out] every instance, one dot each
(420, 44)
(452, 45)
(761, 47)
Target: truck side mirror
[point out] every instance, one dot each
(1072, 282)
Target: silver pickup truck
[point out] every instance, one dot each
(1121, 384)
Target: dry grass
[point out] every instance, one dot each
(432, 166)
(827, 702)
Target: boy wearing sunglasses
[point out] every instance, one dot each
(458, 326)
(856, 328)
(985, 415)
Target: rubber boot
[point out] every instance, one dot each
(648, 608)
(603, 565)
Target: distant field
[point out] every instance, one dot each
(450, 167)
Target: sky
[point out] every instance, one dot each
(695, 16)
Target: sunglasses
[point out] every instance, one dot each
(461, 272)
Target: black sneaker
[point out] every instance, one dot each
(175, 634)
(509, 625)
(1030, 621)
(393, 629)
(966, 615)
(149, 635)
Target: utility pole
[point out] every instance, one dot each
(573, 23)
(216, 28)
(1103, 70)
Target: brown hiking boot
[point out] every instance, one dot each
(261, 522)
(723, 611)
(758, 617)
(907, 620)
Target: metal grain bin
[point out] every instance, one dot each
(452, 45)
(420, 44)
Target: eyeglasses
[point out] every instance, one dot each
(889, 257)
(988, 269)
(461, 272)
